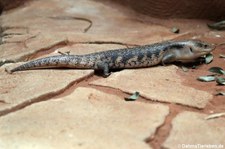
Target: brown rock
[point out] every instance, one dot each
(157, 83)
(9, 4)
(160, 8)
(178, 8)
(190, 128)
(23, 88)
(87, 118)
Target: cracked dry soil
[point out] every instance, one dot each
(215, 105)
(162, 132)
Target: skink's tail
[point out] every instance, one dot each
(72, 61)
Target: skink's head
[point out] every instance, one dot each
(192, 50)
(200, 47)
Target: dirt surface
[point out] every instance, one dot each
(216, 105)
(133, 28)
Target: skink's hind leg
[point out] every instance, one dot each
(104, 67)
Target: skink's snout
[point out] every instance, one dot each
(205, 47)
(198, 48)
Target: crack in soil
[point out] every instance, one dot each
(145, 99)
(74, 18)
(36, 54)
(155, 141)
(163, 131)
(46, 50)
(9, 35)
(44, 97)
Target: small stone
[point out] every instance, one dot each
(175, 30)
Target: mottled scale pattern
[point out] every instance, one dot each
(140, 56)
(143, 56)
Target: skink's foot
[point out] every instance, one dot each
(104, 67)
(105, 75)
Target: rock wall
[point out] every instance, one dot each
(207, 9)
(9, 4)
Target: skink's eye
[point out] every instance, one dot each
(205, 46)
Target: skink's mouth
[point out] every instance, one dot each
(204, 52)
(210, 48)
(203, 55)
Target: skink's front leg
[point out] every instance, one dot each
(168, 58)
